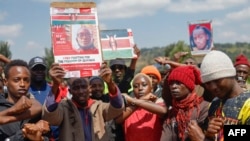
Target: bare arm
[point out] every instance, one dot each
(147, 104)
(150, 106)
(134, 60)
(163, 60)
(34, 111)
(25, 108)
(177, 56)
(4, 59)
(125, 114)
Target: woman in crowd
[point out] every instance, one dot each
(138, 122)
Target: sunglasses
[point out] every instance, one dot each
(119, 67)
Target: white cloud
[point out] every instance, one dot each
(108, 9)
(244, 38)
(3, 15)
(10, 30)
(33, 45)
(245, 26)
(228, 34)
(192, 6)
(217, 22)
(239, 15)
(231, 36)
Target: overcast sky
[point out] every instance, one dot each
(25, 24)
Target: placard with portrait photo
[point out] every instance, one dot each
(200, 37)
(75, 37)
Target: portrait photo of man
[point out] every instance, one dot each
(83, 41)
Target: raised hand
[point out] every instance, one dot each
(105, 73)
(161, 60)
(178, 55)
(56, 73)
(137, 51)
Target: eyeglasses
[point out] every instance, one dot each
(39, 68)
(119, 67)
(81, 35)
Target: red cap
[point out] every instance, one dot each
(188, 75)
(241, 60)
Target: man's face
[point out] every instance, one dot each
(84, 37)
(220, 88)
(200, 39)
(38, 73)
(97, 88)
(80, 91)
(242, 71)
(178, 90)
(141, 86)
(18, 82)
(155, 80)
(190, 61)
(118, 72)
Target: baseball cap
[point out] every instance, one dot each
(37, 61)
(117, 62)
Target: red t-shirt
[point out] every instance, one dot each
(143, 126)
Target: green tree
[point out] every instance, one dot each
(168, 49)
(5, 49)
(180, 46)
(49, 56)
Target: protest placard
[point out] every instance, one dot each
(200, 37)
(75, 37)
(117, 43)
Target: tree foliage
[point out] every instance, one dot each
(148, 54)
(49, 56)
(5, 49)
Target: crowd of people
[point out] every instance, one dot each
(166, 101)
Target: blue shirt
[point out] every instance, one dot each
(40, 94)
